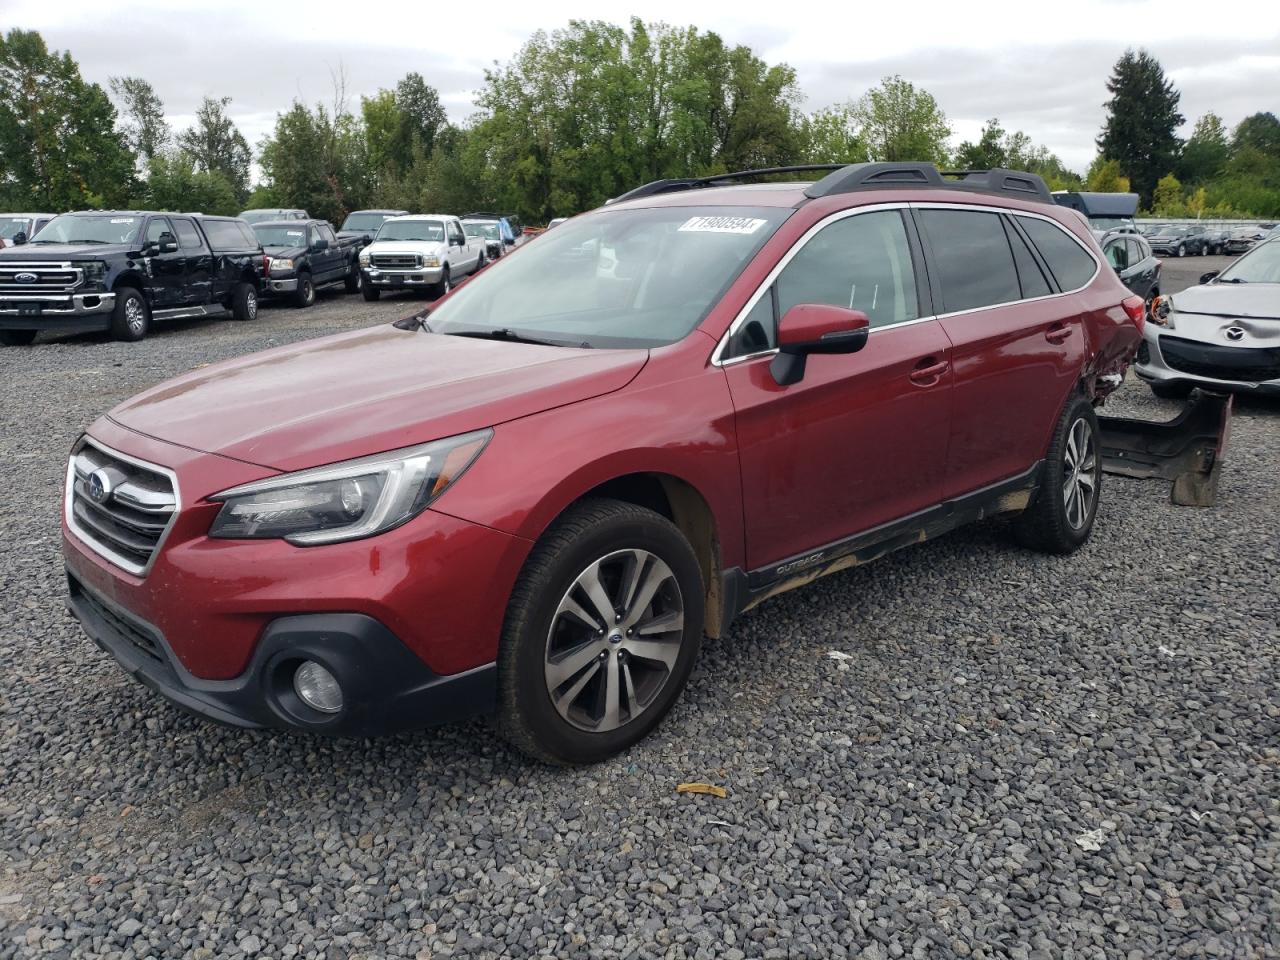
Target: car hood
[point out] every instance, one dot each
(290, 252)
(405, 246)
(65, 251)
(366, 392)
(1254, 300)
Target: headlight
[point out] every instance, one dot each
(431, 261)
(95, 271)
(364, 259)
(346, 501)
(281, 264)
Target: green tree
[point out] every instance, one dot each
(899, 122)
(421, 118)
(316, 160)
(1206, 151)
(831, 136)
(1014, 151)
(1168, 200)
(142, 124)
(989, 152)
(58, 146)
(1140, 131)
(174, 183)
(1261, 131)
(215, 143)
(1105, 177)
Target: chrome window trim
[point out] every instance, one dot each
(717, 355)
(101, 550)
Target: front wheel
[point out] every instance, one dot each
(371, 293)
(442, 288)
(351, 283)
(1182, 249)
(16, 338)
(601, 632)
(305, 295)
(130, 319)
(1060, 518)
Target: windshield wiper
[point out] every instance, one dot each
(511, 336)
(1231, 280)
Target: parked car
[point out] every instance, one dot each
(1215, 240)
(17, 228)
(1221, 334)
(537, 499)
(123, 270)
(508, 225)
(363, 224)
(1130, 256)
(490, 232)
(262, 214)
(1177, 240)
(1243, 239)
(306, 255)
(420, 252)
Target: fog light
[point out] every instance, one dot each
(317, 688)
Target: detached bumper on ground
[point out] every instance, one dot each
(384, 687)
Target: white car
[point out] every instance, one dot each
(422, 251)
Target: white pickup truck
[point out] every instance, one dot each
(420, 251)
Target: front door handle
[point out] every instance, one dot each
(1057, 333)
(928, 371)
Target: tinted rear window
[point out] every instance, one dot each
(1067, 260)
(975, 264)
(229, 235)
(1030, 275)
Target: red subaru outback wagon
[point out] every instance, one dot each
(537, 499)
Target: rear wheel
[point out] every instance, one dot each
(17, 338)
(1060, 518)
(352, 281)
(244, 302)
(601, 633)
(1169, 391)
(305, 295)
(130, 319)
(370, 292)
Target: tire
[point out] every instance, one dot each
(616, 540)
(370, 293)
(16, 338)
(305, 295)
(1169, 391)
(351, 283)
(131, 319)
(480, 263)
(244, 302)
(444, 286)
(1182, 249)
(1060, 518)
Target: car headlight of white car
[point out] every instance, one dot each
(431, 261)
(346, 501)
(364, 259)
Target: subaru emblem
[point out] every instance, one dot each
(1235, 333)
(25, 278)
(99, 486)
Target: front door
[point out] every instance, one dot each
(167, 271)
(861, 440)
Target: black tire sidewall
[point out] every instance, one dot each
(306, 294)
(244, 295)
(1078, 408)
(370, 293)
(526, 635)
(17, 338)
(120, 328)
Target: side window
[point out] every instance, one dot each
(1136, 251)
(1117, 254)
(1030, 276)
(155, 227)
(759, 331)
(975, 261)
(249, 238)
(455, 231)
(1067, 260)
(862, 262)
(327, 232)
(188, 236)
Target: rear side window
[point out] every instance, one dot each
(862, 262)
(229, 235)
(188, 237)
(1067, 260)
(1137, 250)
(1030, 276)
(975, 262)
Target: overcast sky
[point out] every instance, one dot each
(1040, 68)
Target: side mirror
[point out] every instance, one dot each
(168, 243)
(20, 238)
(815, 328)
(1206, 277)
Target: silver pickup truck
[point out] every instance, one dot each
(420, 251)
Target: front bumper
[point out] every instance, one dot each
(1224, 368)
(385, 688)
(54, 311)
(280, 285)
(395, 279)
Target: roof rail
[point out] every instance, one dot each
(865, 176)
(695, 183)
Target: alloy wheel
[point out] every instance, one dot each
(1079, 474)
(134, 315)
(614, 640)
(251, 305)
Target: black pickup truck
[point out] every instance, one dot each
(306, 254)
(123, 270)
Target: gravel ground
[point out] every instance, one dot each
(1012, 756)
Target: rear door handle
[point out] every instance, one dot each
(928, 371)
(1057, 333)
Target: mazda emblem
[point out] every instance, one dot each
(99, 486)
(25, 278)
(1235, 333)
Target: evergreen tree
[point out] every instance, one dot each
(1140, 131)
(214, 143)
(1206, 152)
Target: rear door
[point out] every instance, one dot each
(1018, 346)
(166, 271)
(861, 440)
(198, 262)
(1142, 267)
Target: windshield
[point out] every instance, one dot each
(615, 278)
(258, 216)
(77, 228)
(10, 227)
(277, 236)
(1259, 265)
(364, 222)
(486, 230)
(427, 230)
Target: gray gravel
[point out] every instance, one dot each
(1021, 756)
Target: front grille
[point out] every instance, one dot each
(127, 522)
(122, 626)
(395, 261)
(49, 278)
(1242, 364)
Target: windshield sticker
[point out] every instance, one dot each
(293, 233)
(122, 219)
(740, 225)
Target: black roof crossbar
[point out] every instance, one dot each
(695, 183)
(866, 176)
